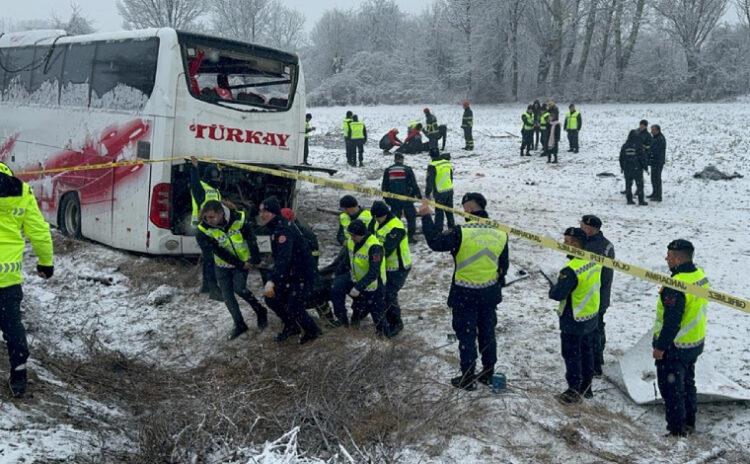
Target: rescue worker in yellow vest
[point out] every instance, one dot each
(679, 334)
(350, 156)
(573, 123)
(358, 135)
(350, 211)
(544, 119)
(367, 278)
(308, 129)
(527, 130)
(19, 217)
(431, 129)
(202, 191)
(577, 290)
(391, 233)
(230, 238)
(481, 256)
(439, 184)
(467, 124)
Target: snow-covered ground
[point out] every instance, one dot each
(525, 425)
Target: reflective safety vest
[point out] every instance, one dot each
(20, 216)
(210, 193)
(360, 262)
(402, 253)
(585, 297)
(572, 120)
(231, 240)
(345, 126)
(478, 255)
(544, 120)
(307, 130)
(693, 324)
(357, 130)
(443, 170)
(431, 125)
(467, 120)
(364, 215)
(528, 120)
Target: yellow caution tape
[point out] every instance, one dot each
(94, 167)
(545, 242)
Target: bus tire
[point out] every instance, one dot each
(70, 215)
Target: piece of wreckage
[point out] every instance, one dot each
(635, 374)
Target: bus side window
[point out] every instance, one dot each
(76, 76)
(124, 74)
(17, 62)
(45, 80)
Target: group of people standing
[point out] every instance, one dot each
(641, 151)
(541, 123)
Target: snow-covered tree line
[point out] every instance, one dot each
(517, 50)
(484, 50)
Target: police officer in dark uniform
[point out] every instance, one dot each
(399, 179)
(597, 243)
(657, 159)
(368, 278)
(679, 335)
(481, 256)
(320, 293)
(293, 274)
(577, 291)
(633, 162)
(467, 124)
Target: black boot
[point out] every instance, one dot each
(485, 376)
(237, 331)
(467, 381)
(261, 314)
(569, 396)
(286, 333)
(309, 336)
(17, 382)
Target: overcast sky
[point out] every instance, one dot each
(105, 16)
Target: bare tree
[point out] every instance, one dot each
(690, 22)
(76, 24)
(603, 51)
(516, 10)
(285, 27)
(380, 23)
(588, 35)
(180, 14)
(572, 35)
(241, 19)
(743, 11)
(458, 13)
(624, 52)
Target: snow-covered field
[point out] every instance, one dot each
(523, 425)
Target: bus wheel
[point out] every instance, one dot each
(70, 216)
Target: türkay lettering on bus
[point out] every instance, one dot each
(233, 134)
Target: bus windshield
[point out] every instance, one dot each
(238, 75)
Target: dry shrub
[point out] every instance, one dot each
(367, 395)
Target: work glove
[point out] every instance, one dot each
(45, 272)
(354, 293)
